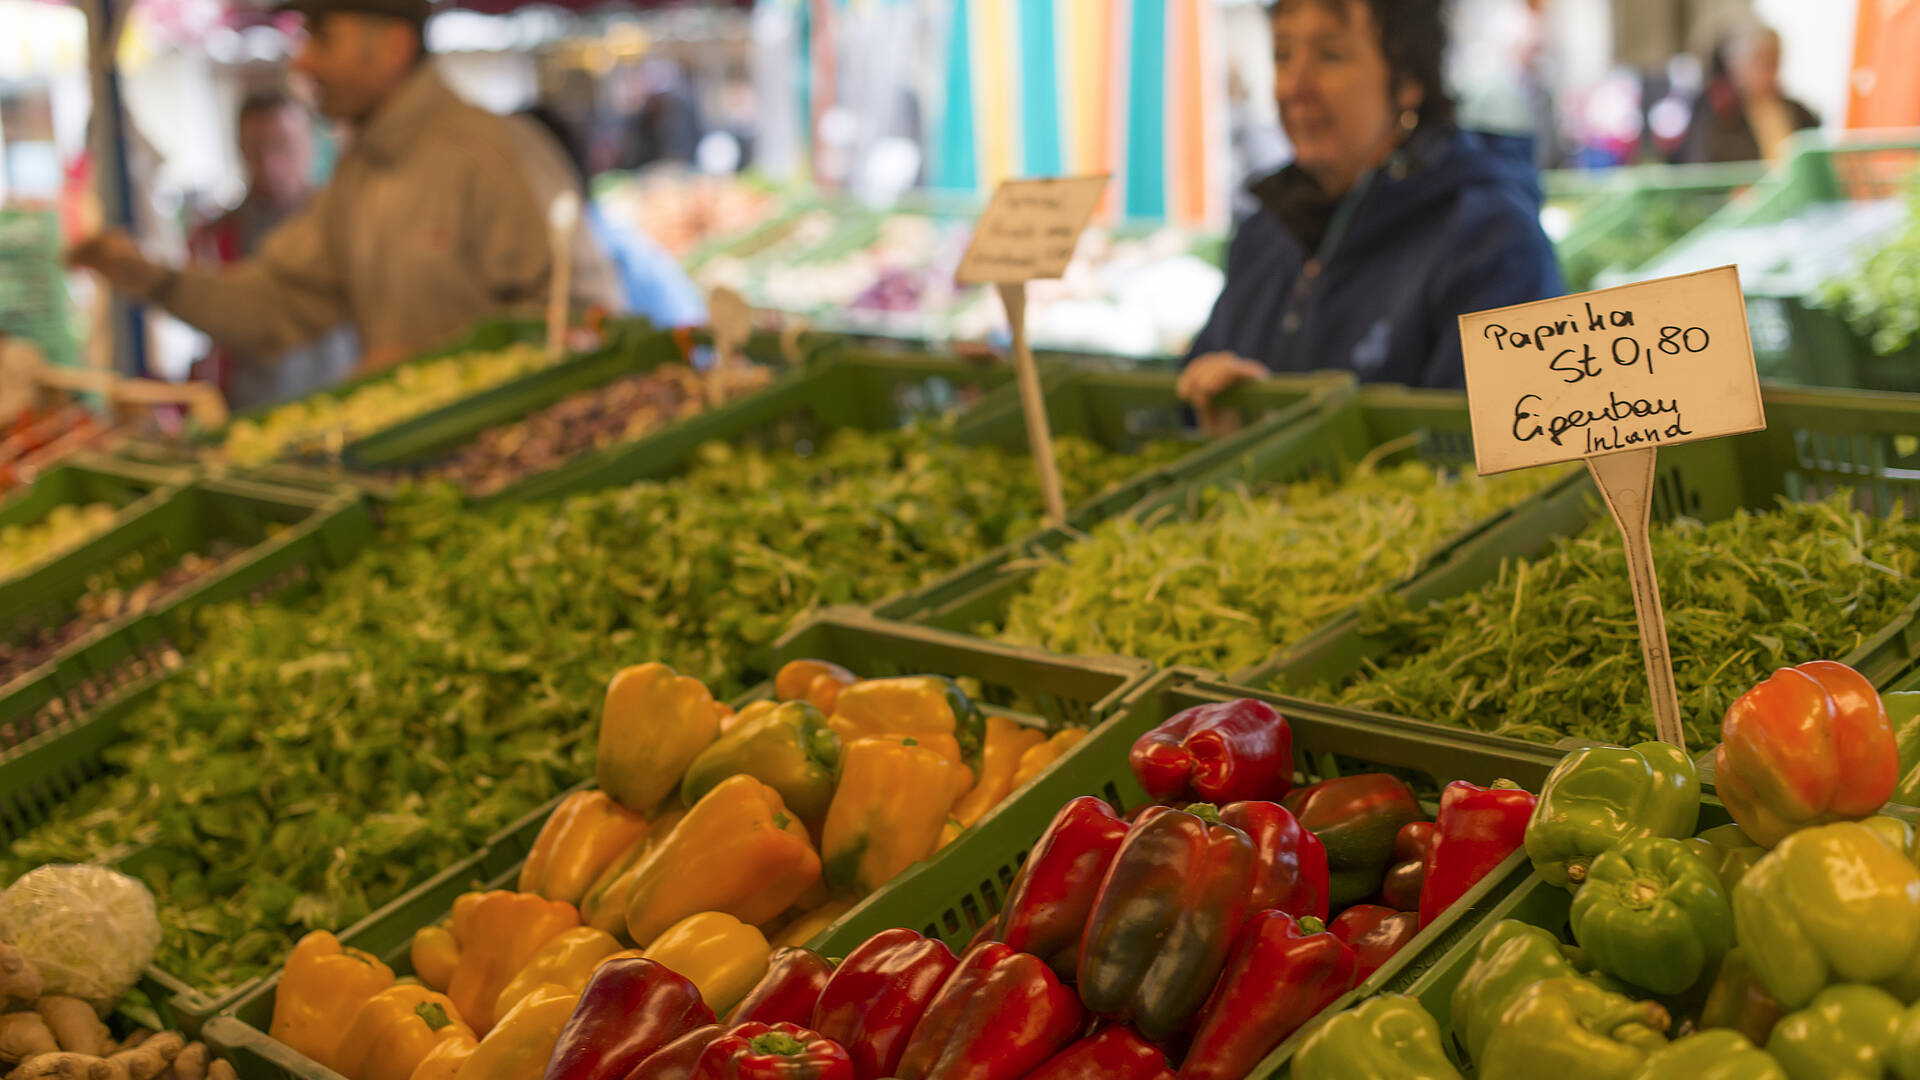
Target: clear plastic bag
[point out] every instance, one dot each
(87, 929)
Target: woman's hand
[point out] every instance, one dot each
(1208, 377)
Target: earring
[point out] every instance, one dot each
(1409, 119)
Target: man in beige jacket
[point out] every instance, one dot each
(436, 216)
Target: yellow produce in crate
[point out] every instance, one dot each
(717, 953)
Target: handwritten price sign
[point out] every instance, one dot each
(1029, 229)
(1640, 366)
(1610, 377)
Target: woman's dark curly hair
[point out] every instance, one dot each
(1413, 35)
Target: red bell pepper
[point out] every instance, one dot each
(1478, 827)
(1374, 933)
(1412, 848)
(1048, 903)
(877, 995)
(1115, 1053)
(1163, 924)
(1810, 745)
(1224, 752)
(788, 991)
(781, 1051)
(1357, 818)
(1289, 862)
(675, 1061)
(630, 1008)
(1281, 975)
(1001, 1015)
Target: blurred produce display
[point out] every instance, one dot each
(1881, 296)
(65, 527)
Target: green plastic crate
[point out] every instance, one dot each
(1037, 688)
(317, 530)
(1817, 442)
(952, 897)
(1431, 423)
(1625, 200)
(134, 490)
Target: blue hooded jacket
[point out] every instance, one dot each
(1451, 224)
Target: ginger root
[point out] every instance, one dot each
(67, 1066)
(192, 1062)
(24, 1034)
(75, 1025)
(18, 977)
(150, 1058)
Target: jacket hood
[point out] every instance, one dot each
(1430, 171)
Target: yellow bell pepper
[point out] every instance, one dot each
(586, 833)
(1006, 741)
(926, 708)
(321, 988)
(567, 960)
(808, 926)
(519, 1045)
(499, 933)
(718, 953)
(894, 798)
(444, 1061)
(749, 713)
(816, 682)
(654, 723)
(435, 952)
(394, 1031)
(605, 905)
(1035, 761)
(738, 851)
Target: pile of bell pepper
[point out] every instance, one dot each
(1783, 946)
(713, 839)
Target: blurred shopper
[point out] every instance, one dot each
(667, 127)
(652, 282)
(1389, 223)
(436, 216)
(1742, 115)
(275, 135)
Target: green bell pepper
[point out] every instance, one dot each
(1570, 1029)
(1710, 1055)
(1599, 796)
(1728, 850)
(790, 749)
(1833, 903)
(1512, 956)
(1903, 711)
(1652, 913)
(1387, 1036)
(1849, 1033)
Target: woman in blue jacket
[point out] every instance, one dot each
(1389, 223)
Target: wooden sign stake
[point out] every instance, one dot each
(1029, 230)
(563, 217)
(1626, 481)
(1608, 377)
(1039, 432)
(732, 321)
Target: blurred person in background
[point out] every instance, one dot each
(1389, 223)
(276, 140)
(667, 127)
(653, 284)
(1742, 115)
(436, 216)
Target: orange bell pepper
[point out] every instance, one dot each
(605, 905)
(1035, 761)
(519, 1046)
(321, 988)
(1810, 745)
(568, 960)
(586, 833)
(443, 1062)
(394, 1031)
(499, 933)
(1006, 741)
(654, 723)
(816, 682)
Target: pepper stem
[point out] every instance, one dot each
(1504, 784)
(776, 1044)
(781, 821)
(1576, 872)
(1206, 812)
(1308, 924)
(435, 1016)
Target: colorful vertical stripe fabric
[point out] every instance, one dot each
(1135, 88)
